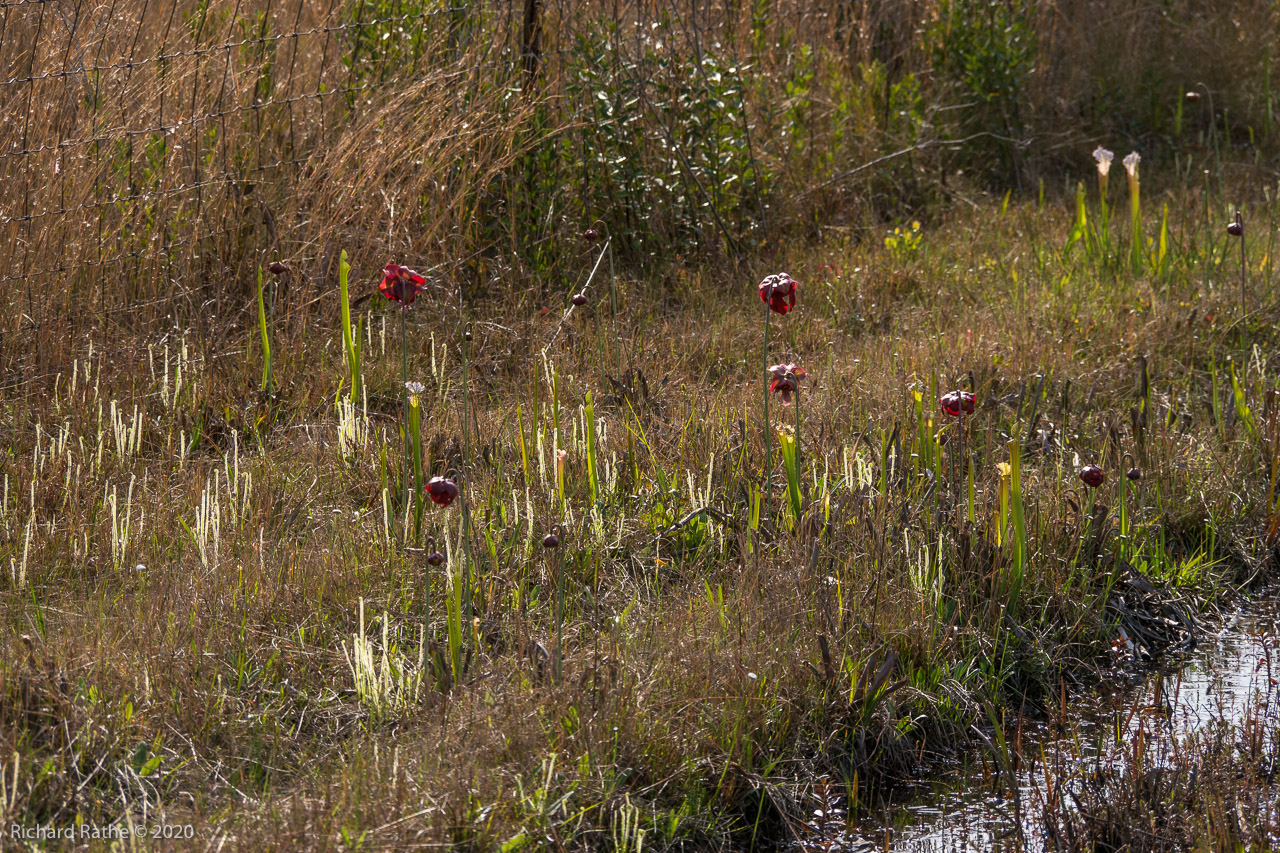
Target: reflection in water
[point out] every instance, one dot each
(1227, 678)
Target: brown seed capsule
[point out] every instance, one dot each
(1134, 475)
(551, 541)
(435, 559)
(1092, 476)
(277, 268)
(579, 299)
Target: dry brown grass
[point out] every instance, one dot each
(155, 154)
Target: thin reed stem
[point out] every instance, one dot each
(767, 444)
(796, 383)
(404, 419)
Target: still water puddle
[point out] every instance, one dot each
(1226, 679)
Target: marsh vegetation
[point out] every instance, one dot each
(412, 437)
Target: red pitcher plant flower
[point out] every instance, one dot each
(401, 284)
(785, 380)
(1092, 476)
(778, 291)
(955, 402)
(442, 490)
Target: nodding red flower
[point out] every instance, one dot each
(1236, 226)
(442, 490)
(434, 558)
(579, 299)
(1092, 476)
(786, 379)
(1192, 96)
(552, 539)
(401, 284)
(954, 402)
(1134, 475)
(277, 268)
(778, 292)
(591, 235)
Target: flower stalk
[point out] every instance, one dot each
(785, 382)
(1236, 229)
(402, 285)
(1104, 159)
(1135, 211)
(778, 292)
(768, 461)
(404, 392)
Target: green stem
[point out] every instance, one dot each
(767, 448)
(801, 482)
(466, 458)
(1242, 279)
(613, 303)
(1105, 215)
(404, 396)
(426, 595)
(559, 616)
